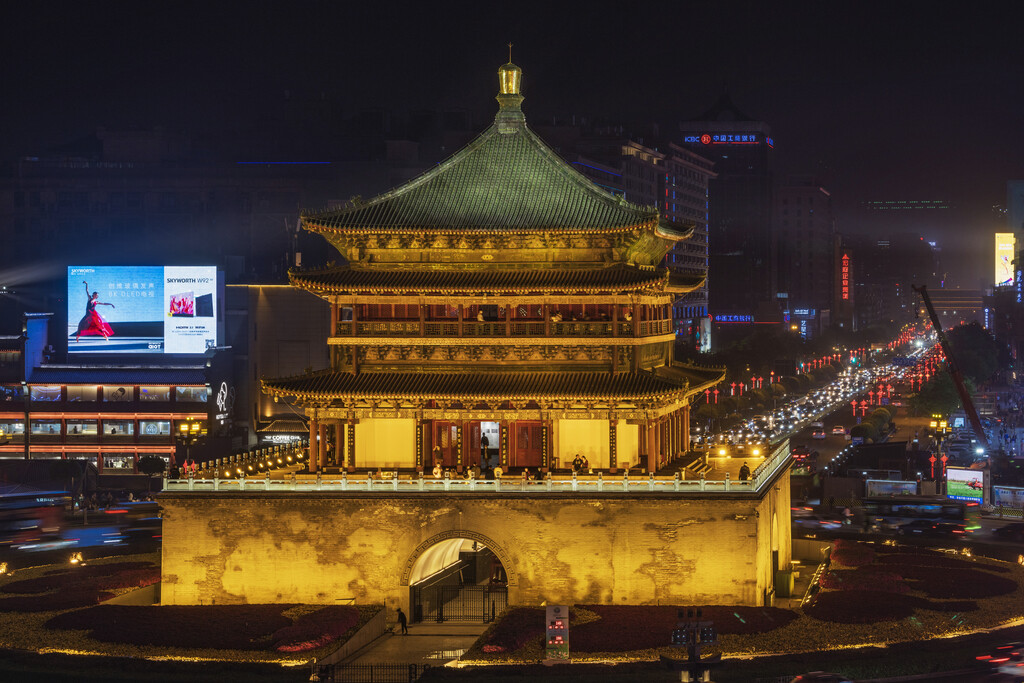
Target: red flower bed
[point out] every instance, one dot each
(918, 557)
(851, 554)
(869, 606)
(235, 627)
(622, 628)
(859, 579)
(942, 582)
(517, 627)
(61, 600)
(92, 575)
(316, 629)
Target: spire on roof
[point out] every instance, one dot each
(510, 82)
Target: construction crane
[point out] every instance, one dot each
(954, 370)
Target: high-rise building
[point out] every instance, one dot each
(741, 270)
(805, 237)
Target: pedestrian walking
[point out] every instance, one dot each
(402, 622)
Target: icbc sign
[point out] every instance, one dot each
(706, 139)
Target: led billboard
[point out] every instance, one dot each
(965, 484)
(142, 309)
(1004, 259)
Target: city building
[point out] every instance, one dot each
(742, 274)
(112, 411)
(806, 238)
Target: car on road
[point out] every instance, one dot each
(838, 430)
(817, 522)
(928, 527)
(1006, 659)
(1010, 532)
(821, 677)
(818, 433)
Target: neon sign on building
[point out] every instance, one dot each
(846, 277)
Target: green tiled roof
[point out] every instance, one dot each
(615, 278)
(506, 179)
(478, 386)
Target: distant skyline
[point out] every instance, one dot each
(879, 101)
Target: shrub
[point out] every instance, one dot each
(71, 598)
(516, 628)
(851, 554)
(318, 628)
(858, 579)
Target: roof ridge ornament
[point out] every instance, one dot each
(510, 98)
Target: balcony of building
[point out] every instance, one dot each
(508, 321)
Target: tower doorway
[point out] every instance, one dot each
(457, 580)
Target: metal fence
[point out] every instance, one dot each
(368, 673)
(477, 604)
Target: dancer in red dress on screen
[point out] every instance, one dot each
(93, 323)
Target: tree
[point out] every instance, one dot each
(151, 465)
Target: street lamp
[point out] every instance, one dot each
(190, 432)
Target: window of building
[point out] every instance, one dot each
(46, 455)
(87, 394)
(10, 428)
(154, 393)
(190, 394)
(44, 427)
(119, 427)
(118, 461)
(155, 427)
(44, 393)
(82, 427)
(10, 392)
(116, 394)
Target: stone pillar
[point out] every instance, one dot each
(314, 453)
(322, 447)
(684, 415)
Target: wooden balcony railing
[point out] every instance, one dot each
(474, 328)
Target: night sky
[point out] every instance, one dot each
(893, 100)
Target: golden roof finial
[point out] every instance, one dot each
(510, 53)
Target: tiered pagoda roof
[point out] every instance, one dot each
(663, 383)
(614, 278)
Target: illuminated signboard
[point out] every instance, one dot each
(557, 617)
(803, 312)
(1005, 244)
(965, 484)
(727, 139)
(142, 309)
(845, 277)
(1018, 281)
(734, 318)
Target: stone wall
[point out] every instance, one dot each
(319, 548)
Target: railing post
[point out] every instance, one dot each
(676, 481)
(369, 481)
(497, 483)
(421, 481)
(547, 480)
(190, 482)
(600, 482)
(447, 481)
(394, 479)
(650, 481)
(573, 481)
(266, 485)
(344, 480)
(726, 481)
(216, 483)
(165, 484)
(293, 481)
(625, 480)
(472, 481)
(702, 481)
(241, 482)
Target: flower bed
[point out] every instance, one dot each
(233, 627)
(858, 579)
(624, 628)
(851, 554)
(73, 587)
(871, 606)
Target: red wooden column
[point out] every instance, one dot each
(339, 441)
(314, 453)
(652, 445)
(322, 446)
